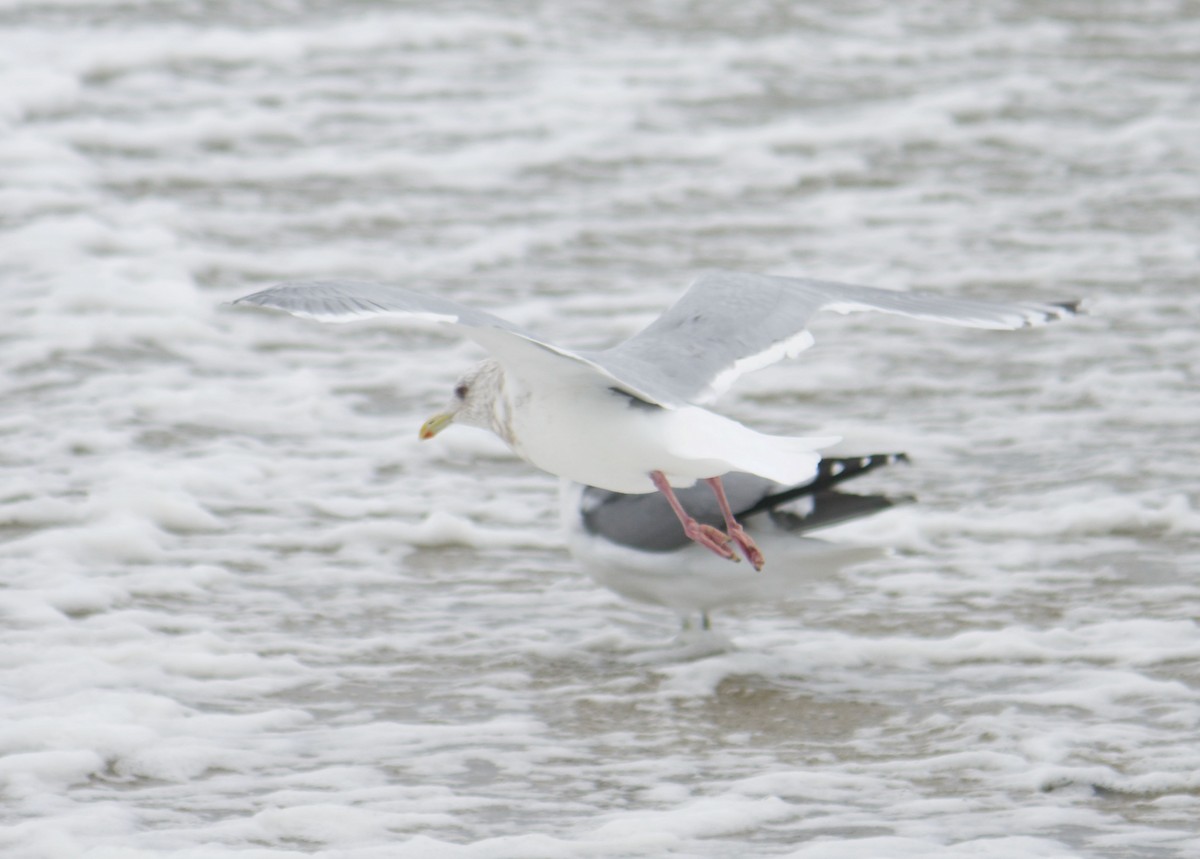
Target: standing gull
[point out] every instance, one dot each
(627, 543)
(630, 418)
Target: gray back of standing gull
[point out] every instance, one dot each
(630, 418)
(645, 523)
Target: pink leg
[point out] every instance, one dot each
(736, 532)
(706, 535)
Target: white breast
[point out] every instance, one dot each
(600, 438)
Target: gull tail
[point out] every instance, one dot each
(702, 441)
(783, 459)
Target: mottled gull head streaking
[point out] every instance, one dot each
(630, 418)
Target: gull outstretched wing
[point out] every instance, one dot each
(730, 323)
(521, 352)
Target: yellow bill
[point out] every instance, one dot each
(435, 425)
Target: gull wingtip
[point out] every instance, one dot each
(262, 298)
(252, 298)
(1054, 311)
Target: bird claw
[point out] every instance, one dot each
(715, 534)
(713, 539)
(717, 541)
(738, 535)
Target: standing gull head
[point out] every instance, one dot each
(630, 418)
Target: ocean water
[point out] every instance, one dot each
(244, 612)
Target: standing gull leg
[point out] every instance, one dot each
(736, 532)
(707, 536)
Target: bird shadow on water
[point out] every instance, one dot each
(718, 702)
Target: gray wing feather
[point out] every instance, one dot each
(349, 300)
(729, 323)
(516, 348)
(647, 522)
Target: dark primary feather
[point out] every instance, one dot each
(830, 472)
(831, 507)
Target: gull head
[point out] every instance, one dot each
(474, 400)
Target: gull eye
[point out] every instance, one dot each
(460, 391)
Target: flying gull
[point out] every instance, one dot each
(630, 418)
(630, 543)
